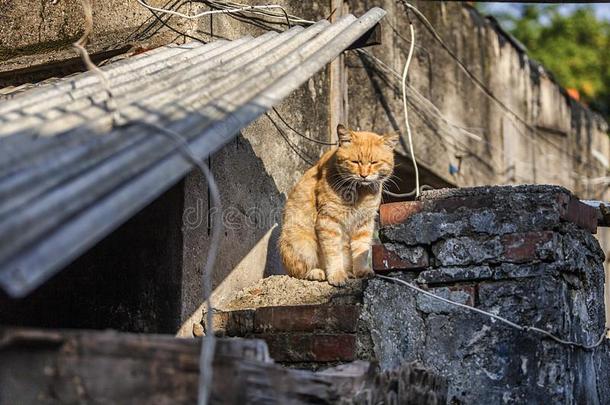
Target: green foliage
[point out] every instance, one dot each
(575, 47)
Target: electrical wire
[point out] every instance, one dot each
(421, 104)
(406, 110)
(300, 134)
(424, 187)
(208, 341)
(228, 4)
(486, 91)
(244, 8)
(520, 327)
(306, 158)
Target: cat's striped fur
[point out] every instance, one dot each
(330, 214)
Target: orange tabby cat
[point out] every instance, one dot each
(330, 214)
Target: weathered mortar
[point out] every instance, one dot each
(513, 252)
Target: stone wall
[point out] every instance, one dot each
(524, 253)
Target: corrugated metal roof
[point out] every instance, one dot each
(69, 176)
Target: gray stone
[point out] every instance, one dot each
(428, 227)
(466, 250)
(429, 305)
(453, 274)
(412, 254)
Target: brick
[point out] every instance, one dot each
(398, 212)
(530, 246)
(412, 258)
(577, 212)
(233, 323)
(309, 347)
(307, 318)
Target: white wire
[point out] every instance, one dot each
(497, 317)
(223, 11)
(229, 4)
(208, 342)
(432, 110)
(404, 104)
(210, 12)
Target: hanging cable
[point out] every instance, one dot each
(525, 328)
(208, 341)
(300, 134)
(406, 110)
(242, 9)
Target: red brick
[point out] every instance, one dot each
(524, 247)
(309, 347)
(233, 323)
(385, 260)
(471, 290)
(577, 212)
(398, 212)
(307, 318)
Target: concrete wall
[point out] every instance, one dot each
(554, 145)
(558, 144)
(36, 37)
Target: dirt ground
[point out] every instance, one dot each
(285, 290)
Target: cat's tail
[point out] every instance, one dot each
(300, 256)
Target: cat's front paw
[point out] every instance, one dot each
(337, 278)
(364, 272)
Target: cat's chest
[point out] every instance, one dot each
(355, 218)
(356, 215)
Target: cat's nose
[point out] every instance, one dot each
(364, 176)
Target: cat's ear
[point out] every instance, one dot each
(391, 140)
(344, 135)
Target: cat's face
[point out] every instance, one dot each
(365, 158)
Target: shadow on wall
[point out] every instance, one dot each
(251, 213)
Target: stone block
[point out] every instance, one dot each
(497, 211)
(389, 257)
(439, 275)
(462, 294)
(513, 248)
(466, 250)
